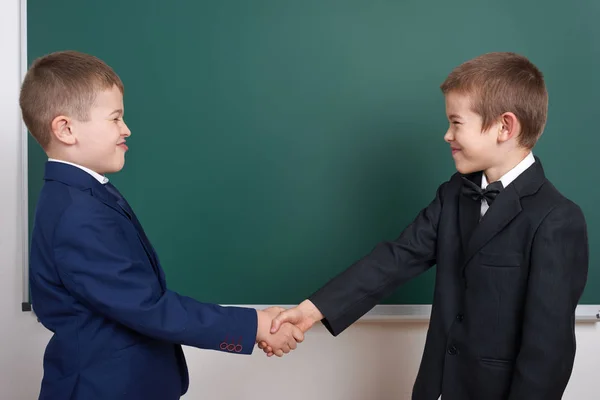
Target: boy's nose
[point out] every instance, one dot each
(125, 131)
(448, 137)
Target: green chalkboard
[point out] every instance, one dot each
(275, 141)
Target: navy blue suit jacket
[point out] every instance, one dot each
(97, 284)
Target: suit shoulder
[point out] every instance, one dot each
(551, 194)
(559, 206)
(58, 201)
(54, 199)
(456, 178)
(451, 185)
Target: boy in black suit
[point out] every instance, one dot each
(511, 251)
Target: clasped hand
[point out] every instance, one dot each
(279, 330)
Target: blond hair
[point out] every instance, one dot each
(503, 82)
(62, 83)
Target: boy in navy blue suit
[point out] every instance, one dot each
(511, 251)
(96, 281)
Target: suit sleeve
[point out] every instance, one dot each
(558, 273)
(96, 264)
(355, 291)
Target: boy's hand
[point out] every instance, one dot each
(303, 317)
(282, 342)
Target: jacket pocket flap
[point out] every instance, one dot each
(501, 259)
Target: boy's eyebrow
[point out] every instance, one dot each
(454, 116)
(118, 112)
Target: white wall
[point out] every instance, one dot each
(22, 339)
(370, 361)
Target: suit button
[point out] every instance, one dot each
(460, 317)
(452, 350)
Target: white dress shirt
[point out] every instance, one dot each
(507, 178)
(100, 178)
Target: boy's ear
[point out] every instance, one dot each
(62, 130)
(510, 127)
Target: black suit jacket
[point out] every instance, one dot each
(506, 289)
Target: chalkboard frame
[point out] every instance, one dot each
(381, 313)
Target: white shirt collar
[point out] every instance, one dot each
(100, 178)
(511, 175)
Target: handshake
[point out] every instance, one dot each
(280, 330)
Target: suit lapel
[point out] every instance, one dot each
(506, 207)
(124, 208)
(77, 178)
(145, 242)
(104, 196)
(469, 211)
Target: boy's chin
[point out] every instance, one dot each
(466, 169)
(114, 168)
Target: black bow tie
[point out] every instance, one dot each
(475, 192)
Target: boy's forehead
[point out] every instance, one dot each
(109, 98)
(458, 103)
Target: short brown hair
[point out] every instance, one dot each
(503, 82)
(62, 83)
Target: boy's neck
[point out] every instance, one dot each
(62, 156)
(494, 174)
